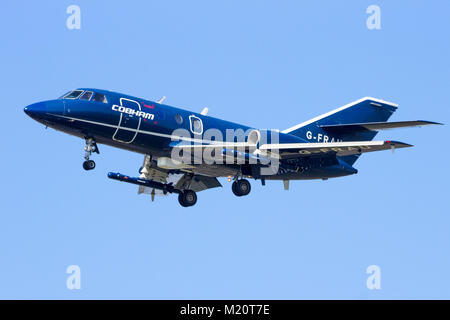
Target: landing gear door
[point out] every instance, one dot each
(129, 121)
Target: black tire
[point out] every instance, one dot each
(234, 188)
(242, 187)
(180, 200)
(187, 198)
(88, 165)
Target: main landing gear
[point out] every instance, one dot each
(241, 187)
(90, 147)
(187, 198)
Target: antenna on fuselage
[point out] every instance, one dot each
(161, 100)
(204, 112)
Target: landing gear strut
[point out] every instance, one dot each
(241, 187)
(90, 147)
(187, 198)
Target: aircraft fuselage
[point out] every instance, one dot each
(148, 127)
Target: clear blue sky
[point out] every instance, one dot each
(268, 64)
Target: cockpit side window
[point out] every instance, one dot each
(99, 98)
(86, 95)
(73, 95)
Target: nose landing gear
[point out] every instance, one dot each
(90, 147)
(88, 165)
(241, 187)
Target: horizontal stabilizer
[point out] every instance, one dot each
(374, 126)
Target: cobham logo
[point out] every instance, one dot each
(133, 112)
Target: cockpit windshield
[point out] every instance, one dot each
(85, 95)
(73, 95)
(65, 94)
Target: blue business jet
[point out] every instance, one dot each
(185, 152)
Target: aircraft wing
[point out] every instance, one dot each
(196, 183)
(339, 148)
(213, 144)
(375, 126)
(289, 150)
(229, 151)
(149, 172)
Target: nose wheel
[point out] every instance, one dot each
(89, 165)
(90, 147)
(241, 187)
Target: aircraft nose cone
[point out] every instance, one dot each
(36, 110)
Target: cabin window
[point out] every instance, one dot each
(196, 125)
(74, 94)
(178, 119)
(100, 98)
(86, 95)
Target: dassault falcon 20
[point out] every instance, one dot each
(185, 152)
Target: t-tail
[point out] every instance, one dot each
(357, 121)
